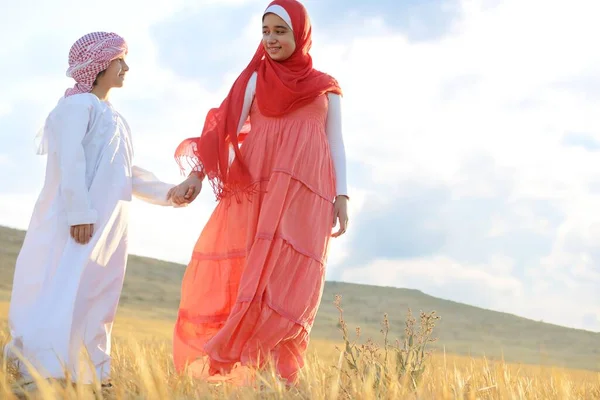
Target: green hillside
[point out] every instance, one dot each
(152, 291)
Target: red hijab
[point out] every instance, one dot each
(281, 87)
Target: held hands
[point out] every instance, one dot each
(186, 192)
(340, 215)
(82, 233)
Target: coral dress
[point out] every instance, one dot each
(251, 291)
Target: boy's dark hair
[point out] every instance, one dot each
(98, 76)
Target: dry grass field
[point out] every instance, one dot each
(478, 354)
(142, 369)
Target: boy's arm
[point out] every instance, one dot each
(147, 187)
(70, 126)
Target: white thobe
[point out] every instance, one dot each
(65, 295)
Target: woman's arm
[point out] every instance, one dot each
(336, 142)
(248, 99)
(189, 189)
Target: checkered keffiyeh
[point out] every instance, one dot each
(89, 56)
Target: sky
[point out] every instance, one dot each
(471, 130)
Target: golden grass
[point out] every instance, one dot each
(142, 369)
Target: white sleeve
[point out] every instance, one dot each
(147, 187)
(248, 98)
(70, 124)
(336, 142)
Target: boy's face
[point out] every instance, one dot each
(114, 75)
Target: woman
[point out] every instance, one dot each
(251, 291)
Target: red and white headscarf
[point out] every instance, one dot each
(89, 56)
(281, 87)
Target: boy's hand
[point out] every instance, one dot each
(82, 233)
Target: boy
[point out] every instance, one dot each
(69, 273)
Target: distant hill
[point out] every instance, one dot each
(152, 291)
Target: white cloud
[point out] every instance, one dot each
(15, 209)
(493, 278)
(5, 108)
(499, 85)
(421, 107)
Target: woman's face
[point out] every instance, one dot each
(278, 38)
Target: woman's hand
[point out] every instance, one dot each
(187, 191)
(340, 215)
